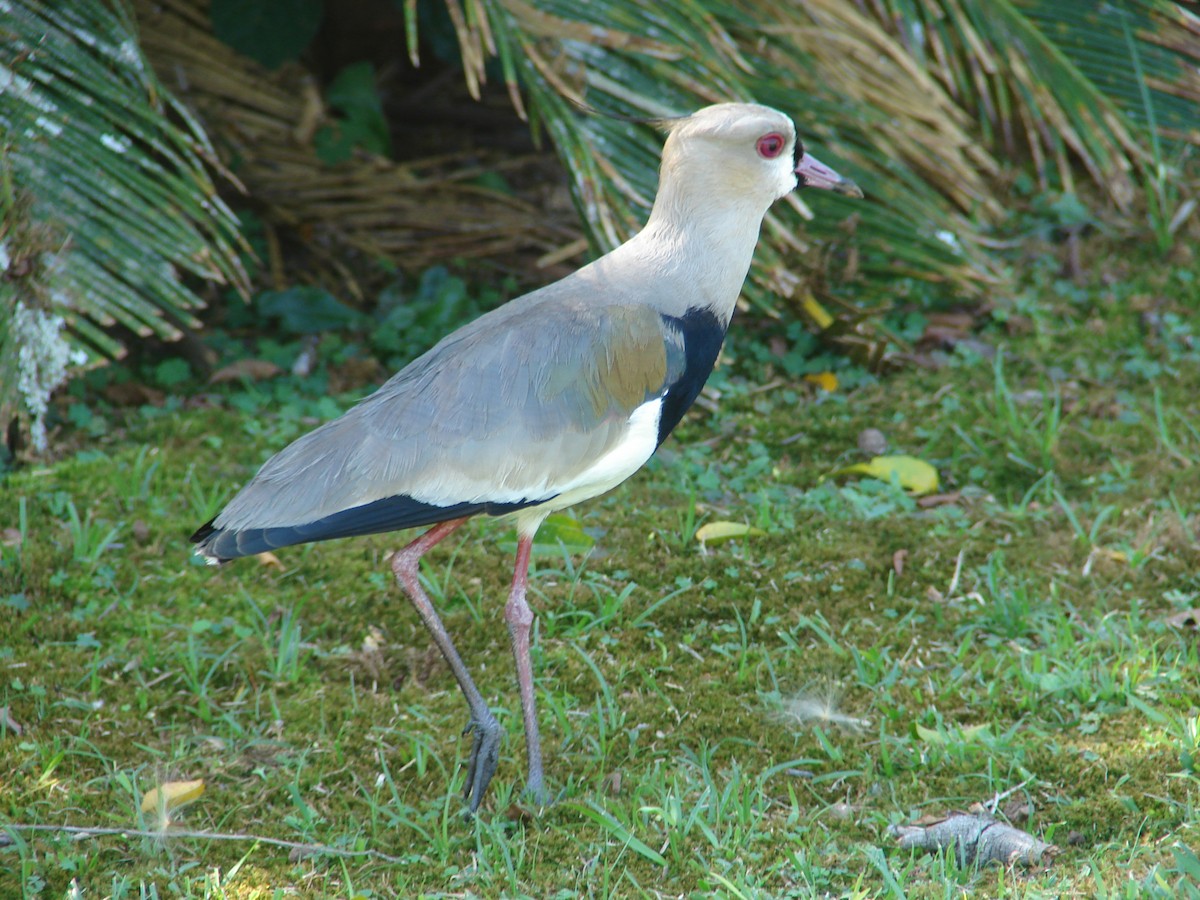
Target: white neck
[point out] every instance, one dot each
(698, 248)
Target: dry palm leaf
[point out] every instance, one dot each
(412, 213)
(898, 92)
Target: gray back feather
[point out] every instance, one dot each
(521, 399)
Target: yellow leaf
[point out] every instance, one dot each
(815, 311)
(714, 532)
(910, 473)
(269, 559)
(826, 381)
(172, 795)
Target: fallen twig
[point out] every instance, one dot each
(84, 832)
(994, 803)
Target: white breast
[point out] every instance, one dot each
(637, 446)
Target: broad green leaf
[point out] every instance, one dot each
(271, 32)
(560, 531)
(362, 125)
(565, 530)
(306, 310)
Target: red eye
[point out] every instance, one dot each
(770, 145)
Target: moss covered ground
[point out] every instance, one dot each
(736, 719)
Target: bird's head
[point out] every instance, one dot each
(742, 153)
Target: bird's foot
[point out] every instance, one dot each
(537, 793)
(487, 735)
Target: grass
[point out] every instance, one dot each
(743, 719)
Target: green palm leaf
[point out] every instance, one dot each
(897, 92)
(107, 204)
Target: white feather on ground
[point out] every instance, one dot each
(819, 707)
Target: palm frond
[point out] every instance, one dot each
(860, 102)
(1128, 47)
(1064, 80)
(263, 123)
(917, 99)
(107, 203)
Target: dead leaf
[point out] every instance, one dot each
(353, 373)
(10, 537)
(612, 783)
(517, 813)
(269, 559)
(8, 723)
(1188, 618)
(245, 370)
(1016, 324)
(373, 657)
(898, 559)
(172, 795)
(933, 819)
(912, 474)
(975, 839)
(423, 665)
(715, 532)
(932, 500)
(943, 330)
(133, 393)
(1017, 810)
(960, 321)
(374, 642)
(842, 811)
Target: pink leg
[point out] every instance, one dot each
(485, 746)
(520, 619)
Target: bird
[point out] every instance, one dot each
(553, 398)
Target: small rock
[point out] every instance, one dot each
(871, 442)
(843, 812)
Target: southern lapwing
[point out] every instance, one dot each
(555, 397)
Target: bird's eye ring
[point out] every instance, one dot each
(770, 145)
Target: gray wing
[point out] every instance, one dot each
(501, 412)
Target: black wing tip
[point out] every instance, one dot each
(220, 545)
(203, 532)
(204, 537)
